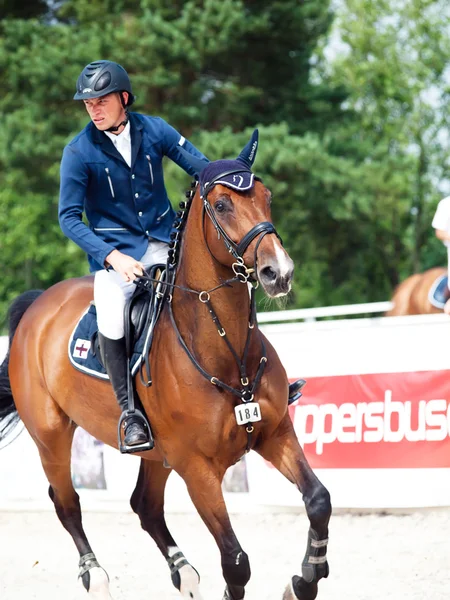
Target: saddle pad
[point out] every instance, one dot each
(81, 348)
(439, 292)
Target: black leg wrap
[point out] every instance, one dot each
(303, 590)
(236, 570)
(175, 563)
(294, 390)
(87, 562)
(315, 565)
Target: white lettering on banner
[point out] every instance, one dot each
(372, 422)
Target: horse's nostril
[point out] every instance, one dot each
(269, 273)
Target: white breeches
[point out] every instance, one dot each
(111, 292)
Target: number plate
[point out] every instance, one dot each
(247, 413)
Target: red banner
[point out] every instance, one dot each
(384, 420)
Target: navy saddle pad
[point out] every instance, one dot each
(439, 292)
(81, 347)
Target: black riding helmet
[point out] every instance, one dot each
(103, 77)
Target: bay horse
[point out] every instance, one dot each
(411, 296)
(228, 243)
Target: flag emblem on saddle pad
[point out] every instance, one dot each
(81, 348)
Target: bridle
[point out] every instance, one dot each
(260, 230)
(242, 274)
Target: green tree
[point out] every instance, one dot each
(394, 57)
(197, 64)
(210, 63)
(25, 9)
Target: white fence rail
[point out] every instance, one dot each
(311, 314)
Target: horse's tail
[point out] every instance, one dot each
(9, 417)
(402, 296)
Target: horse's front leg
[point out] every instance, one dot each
(203, 481)
(283, 450)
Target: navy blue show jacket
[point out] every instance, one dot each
(124, 206)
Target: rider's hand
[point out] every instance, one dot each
(128, 267)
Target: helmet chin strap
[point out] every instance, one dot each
(124, 122)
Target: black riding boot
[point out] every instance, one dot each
(114, 356)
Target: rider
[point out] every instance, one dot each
(112, 170)
(441, 223)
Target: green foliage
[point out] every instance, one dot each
(354, 134)
(25, 9)
(395, 62)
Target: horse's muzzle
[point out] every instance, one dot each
(275, 275)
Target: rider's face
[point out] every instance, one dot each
(106, 111)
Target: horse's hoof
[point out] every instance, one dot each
(227, 596)
(299, 589)
(98, 585)
(288, 592)
(189, 583)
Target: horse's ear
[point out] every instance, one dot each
(198, 164)
(248, 154)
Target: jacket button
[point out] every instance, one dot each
(136, 195)
(140, 213)
(133, 176)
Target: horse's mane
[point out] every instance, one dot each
(178, 226)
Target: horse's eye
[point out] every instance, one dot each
(219, 206)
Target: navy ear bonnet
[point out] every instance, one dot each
(231, 173)
(235, 174)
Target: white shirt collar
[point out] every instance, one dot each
(122, 136)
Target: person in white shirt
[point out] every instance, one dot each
(441, 223)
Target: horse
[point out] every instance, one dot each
(412, 296)
(225, 248)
